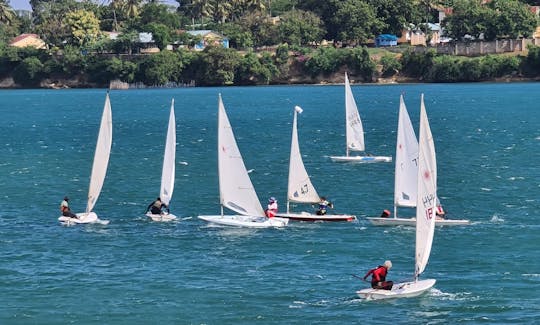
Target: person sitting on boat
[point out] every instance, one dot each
(272, 208)
(378, 276)
(440, 212)
(324, 204)
(64, 208)
(385, 214)
(157, 207)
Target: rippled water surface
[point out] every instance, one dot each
(134, 271)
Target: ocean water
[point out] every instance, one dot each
(134, 271)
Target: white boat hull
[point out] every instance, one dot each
(304, 216)
(161, 217)
(399, 290)
(361, 159)
(83, 218)
(246, 221)
(412, 222)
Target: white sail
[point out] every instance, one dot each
(235, 187)
(300, 187)
(168, 171)
(427, 193)
(406, 169)
(101, 156)
(354, 128)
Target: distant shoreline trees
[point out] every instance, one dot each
(267, 50)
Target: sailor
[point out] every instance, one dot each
(64, 208)
(323, 206)
(157, 207)
(385, 214)
(272, 208)
(378, 276)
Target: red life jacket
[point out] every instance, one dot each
(378, 274)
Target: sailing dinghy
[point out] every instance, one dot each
(168, 170)
(354, 132)
(99, 170)
(406, 169)
(300, 189)
(426, 200)
(236, 191)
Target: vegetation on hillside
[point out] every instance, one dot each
(263, 50)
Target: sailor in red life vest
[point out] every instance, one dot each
(272, 209)
(378, 276)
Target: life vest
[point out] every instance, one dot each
(378, 274)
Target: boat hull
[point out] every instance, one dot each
(361, 159)
(246, 221)
(399, 290)
(83, 218)
(314, 217)
(161, 217)
(412, 222)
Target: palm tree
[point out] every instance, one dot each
(132, 8)
(222, 10)
(7, 15)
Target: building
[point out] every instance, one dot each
(209, 37)
(28, 40)
(386, 40)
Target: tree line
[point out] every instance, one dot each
(265, 51)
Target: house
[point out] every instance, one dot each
(386, 40)
(28, 40)
(147, 43)
(209, 37)
(417, 36)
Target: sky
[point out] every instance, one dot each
(20, 4)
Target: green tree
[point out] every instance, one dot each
(531, 63)
(324, 60)
(49, 19)
(356, 22)
(396, 14)
(251, 71)
(300, 27)
(513, 18)
(7, 15)
(161, 68)
(218, 66)
(29, 72)
(417, 65)
(84, 27)
(160, 33)
(390, 65)
(359, 61)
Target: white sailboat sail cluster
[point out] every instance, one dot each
(406, 170)
(354, 132)
(168, 171)
(235, 188)
(99, 169)
(300, 189)
(425, 219)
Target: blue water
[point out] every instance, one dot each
(134, 271)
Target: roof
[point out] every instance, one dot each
(387, 37)
(23, 36)
(204, 32)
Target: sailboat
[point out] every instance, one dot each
(426, 200)
(235, 188)
(354, 132)
(406, 169)
(300, 188)
(99, 169)
(168, 170)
